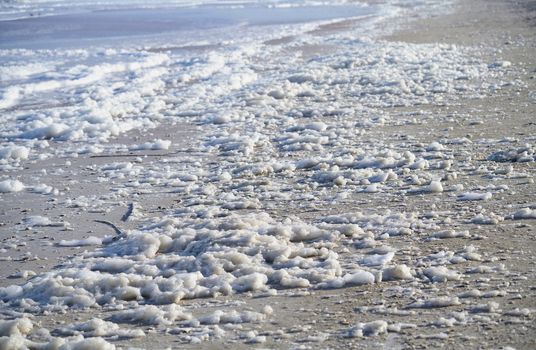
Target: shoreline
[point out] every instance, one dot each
(499, 120)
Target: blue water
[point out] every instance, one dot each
(77, 29)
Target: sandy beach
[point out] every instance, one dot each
(314, 211)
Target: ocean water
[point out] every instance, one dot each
(105, 26)
(14, 9)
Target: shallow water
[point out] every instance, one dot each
(80, 29)
(14, 9)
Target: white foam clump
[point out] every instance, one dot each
(434, 187)
(491, 307)
(89, 343)
(369, 329)
(20, 326)
(13, 337)
(222, 118)
(90, 75)
(20, 71)
(156, 145)
(97, 327)
(435, 146)
(382, 177)
(233, 316)
(519, 155)
(107, 109)
(307, 163)
(47, 131)
(91, 240)
(398, 272)
(255, 339)
(444, 322)
(372, 188)
(251, 282)
(43, 221)
(438, 302)
(25, 274)
(7, 186)
(377, 259)
(441, 274)
(14, 153)
(524, 213)
(472, 293)
(450, 234)
(519, 312)
(152, 315)
(10, 97)
(490, 219)
(45, 189)
(118, 166)
(37, 220)
(245, 204)
(356, 278)
(474, 196)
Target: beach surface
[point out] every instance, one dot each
(318, 189)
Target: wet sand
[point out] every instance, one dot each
(504, 31)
